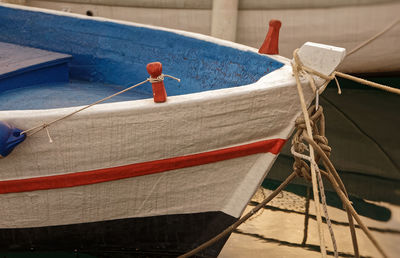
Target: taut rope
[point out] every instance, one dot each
(368, 83)
(302, 168)
(297, 68)
(45, 126)
(363, 44)
(311, 136)
(231, 228)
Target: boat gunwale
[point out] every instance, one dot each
(239, 47)
(184, 33)
(270, 81)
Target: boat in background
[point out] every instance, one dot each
(139, 174)
(345, 23)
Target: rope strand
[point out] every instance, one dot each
(363, 44)
(332, 174)
(296, 65)
(368, 83)
(38, 128)
(231, 228)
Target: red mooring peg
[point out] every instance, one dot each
(159, 93)
(270, 45)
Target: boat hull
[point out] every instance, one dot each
(166, 213)
(195, 160)
(166, 235)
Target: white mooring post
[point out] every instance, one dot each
(224, 19)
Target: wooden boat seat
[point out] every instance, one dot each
(23, 66)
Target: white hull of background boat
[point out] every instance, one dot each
(138, 175)
(340, 23)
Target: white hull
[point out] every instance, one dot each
(138, 168)
(119, 134)
(224, 186)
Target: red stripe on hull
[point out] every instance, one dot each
(139, 169)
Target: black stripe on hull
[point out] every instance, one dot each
(167, 235)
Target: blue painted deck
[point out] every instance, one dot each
(110, 53)
(57, 95)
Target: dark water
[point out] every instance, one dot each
(34, 254)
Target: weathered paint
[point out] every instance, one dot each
(139, 169)
(116, 53)
(24, 66)
(270, 45)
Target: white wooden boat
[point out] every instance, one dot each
(133, 175)
(344, 23)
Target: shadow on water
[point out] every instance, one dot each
(362, 207)
(334, 222)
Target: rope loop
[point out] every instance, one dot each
(161, 77)
(302, 169)
(317, 123)
(299, 147)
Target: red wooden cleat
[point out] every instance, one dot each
(270, 45)
(159, 93)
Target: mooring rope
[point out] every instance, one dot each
(231, 228)
(308, 71)
(45, 126)
(306, 217)
(332, 176)
(363, 44)
(368, 83)
(297, 68)
(298, 147)
(303, 170)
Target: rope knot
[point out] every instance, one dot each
(302, 169)
(322, 141)
(161, 77)
(299, 147)
(300, 123)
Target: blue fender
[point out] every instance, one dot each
(10, 137)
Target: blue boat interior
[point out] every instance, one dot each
(51, 61)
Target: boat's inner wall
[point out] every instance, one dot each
(115, 53)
